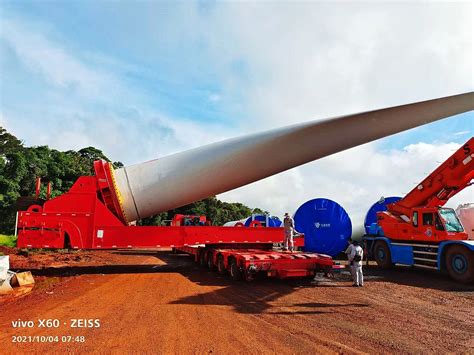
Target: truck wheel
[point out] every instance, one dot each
(382, 255)
(220, 265)
(235, 272)
(460, 263)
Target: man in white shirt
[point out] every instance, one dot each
(289, 226)
(356, 256)
(349, 248)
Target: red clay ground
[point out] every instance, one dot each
(165, 303)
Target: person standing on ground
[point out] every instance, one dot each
(289, 226)
(356, 256)
(348, 254)
(349, 248)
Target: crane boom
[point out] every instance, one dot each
(448, 179)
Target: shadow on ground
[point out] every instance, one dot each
(183, 264)
(411, 276)
(262, 295)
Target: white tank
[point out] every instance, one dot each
(160, 185)
(465, 213)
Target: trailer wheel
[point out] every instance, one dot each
(202, 258)
(235, 272)
(67, 241)
(460, 263)
(210, 261)
(220, 265)
(248, 276)
(382, 255)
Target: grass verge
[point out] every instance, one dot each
(8, 240)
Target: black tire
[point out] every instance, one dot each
(202, 258)
(210, 262)
(67, 242)
(220, 265)
(248, 276)
(460, 263)
(382, 255)
(235, 272)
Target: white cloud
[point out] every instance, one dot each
(462, 133)
(132, 137)
(45, 57)
(310, 60)
(122, 127)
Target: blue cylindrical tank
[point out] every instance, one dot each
(326, 225)
(272, 221)
(276, 221)
(379, 206)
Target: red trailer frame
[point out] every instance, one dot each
(89, 216)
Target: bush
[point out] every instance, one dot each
(8, 240)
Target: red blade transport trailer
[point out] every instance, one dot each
(88, 216)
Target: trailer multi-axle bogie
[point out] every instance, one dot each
(247, 263)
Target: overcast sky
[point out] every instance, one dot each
(141, 80)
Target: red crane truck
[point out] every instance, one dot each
(417, 230)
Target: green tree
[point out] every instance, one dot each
(8, 142)
(92, 154)
(20, 166)
(218, 212)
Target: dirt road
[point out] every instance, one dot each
(163, 302)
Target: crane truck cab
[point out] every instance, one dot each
(433, 224)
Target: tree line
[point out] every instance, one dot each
(21, 165)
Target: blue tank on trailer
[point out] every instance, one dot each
(276, 221)
(379, 206)
(272, 221)
(325, 224)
